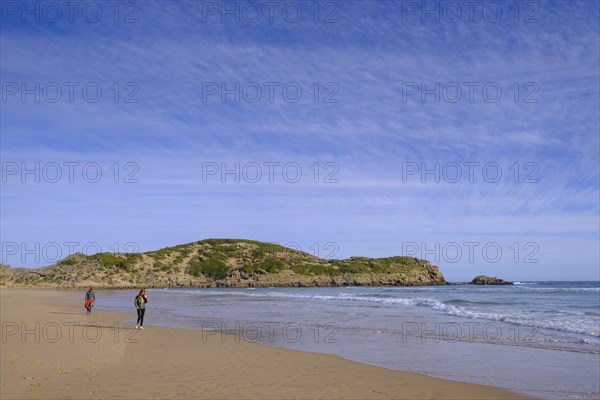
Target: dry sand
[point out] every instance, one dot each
(160, 363)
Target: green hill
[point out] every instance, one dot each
(222, 263)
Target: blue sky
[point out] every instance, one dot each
(371, 59)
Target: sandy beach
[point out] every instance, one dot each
(51, 349)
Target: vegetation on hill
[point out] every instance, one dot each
(223, 262)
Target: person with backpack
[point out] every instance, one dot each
(90, 299)
(140, 305)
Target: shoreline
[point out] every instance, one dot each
(98, 357)
(229, 285)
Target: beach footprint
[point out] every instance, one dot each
(32, 384)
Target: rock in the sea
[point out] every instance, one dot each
(489, 280)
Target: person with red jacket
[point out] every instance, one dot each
(90, 299)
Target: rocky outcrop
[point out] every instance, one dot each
(289, 278)
(223, 263)
(489, 280)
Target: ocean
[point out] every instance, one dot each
(538, 338)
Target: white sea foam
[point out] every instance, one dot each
(571, 321)
(561, 289)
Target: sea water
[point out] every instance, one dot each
(538, 338)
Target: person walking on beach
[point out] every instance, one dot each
(140, 305)
(90, 299)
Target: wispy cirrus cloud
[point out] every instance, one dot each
(373, 130)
